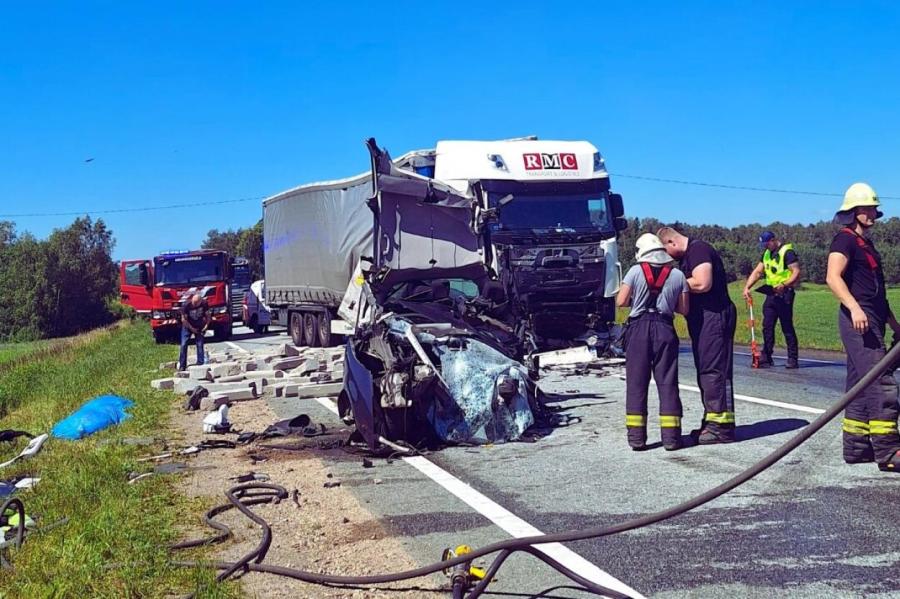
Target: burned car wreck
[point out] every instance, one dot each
(428, 364)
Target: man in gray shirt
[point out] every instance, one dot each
(655, 290)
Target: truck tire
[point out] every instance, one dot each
(227, 331)
(310, 324)
(254, 325)
(324, 330)
(160, 337)
(296, 328)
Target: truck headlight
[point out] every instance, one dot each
(158, 314)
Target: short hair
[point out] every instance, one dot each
(667, 233)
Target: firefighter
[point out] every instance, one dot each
(781, 268)
(711, 320)
(856, 277)
(655, 290)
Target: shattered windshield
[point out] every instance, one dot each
(560, 212)
(189, 270)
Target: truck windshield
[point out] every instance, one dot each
(575, 212)
(241, 275)
(189, 270)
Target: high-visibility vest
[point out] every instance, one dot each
(776, 272)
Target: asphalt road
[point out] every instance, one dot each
(809, 527)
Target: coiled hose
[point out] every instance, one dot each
(240, 497)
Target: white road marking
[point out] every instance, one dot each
(763, 401)
(507, 521)
(740, 353)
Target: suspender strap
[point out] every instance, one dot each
(864, 246)
(655, 282)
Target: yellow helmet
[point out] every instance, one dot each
(857, 195)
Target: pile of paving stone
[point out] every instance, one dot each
(240, 375)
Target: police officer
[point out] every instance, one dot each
(781, 268)
(711, 321)
(856, 277)
(655, 290)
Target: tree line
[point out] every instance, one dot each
(58, 286)
(68, 282)
(739, 246)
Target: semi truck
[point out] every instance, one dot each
(240, 284)
(545, 211)
(158, 287)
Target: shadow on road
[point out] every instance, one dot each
(746, 432)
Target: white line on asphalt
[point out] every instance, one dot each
(507, 521)
(740, 353)
(763, 401)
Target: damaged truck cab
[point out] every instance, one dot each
(550, 223)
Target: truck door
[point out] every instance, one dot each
(136, 284)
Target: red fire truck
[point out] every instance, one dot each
(158, 287)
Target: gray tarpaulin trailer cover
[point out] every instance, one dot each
(314, 237)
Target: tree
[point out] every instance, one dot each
(222, 240)
(246, 243)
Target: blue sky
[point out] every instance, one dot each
(204, 101)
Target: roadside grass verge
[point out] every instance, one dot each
(114, 544)
(12, 351)
(815, 317)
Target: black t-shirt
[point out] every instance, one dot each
(196, 315)
(716, 299)
(866, 285)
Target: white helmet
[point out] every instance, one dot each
(651, 249)
(857, 195)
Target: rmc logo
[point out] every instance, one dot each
(539, 162)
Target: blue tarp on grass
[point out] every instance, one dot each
(95, 415)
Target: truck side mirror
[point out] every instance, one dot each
(620, 223)
(616, 206)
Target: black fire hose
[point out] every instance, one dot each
(526, 544)
(14, 503)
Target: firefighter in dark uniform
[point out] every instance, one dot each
(655, 290)
(781, 269)
(856, 277)
(711, 320)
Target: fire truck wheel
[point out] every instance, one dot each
(160, 337)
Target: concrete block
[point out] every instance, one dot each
(163, 384)
(249, 366)
(236, 395)
(225, 369)
(232, 379)
(288, 350)
(287, 363)
(168, 365)
(200, 373)
(227, 387)
(182, 374)
(306, 391)
(186, 386)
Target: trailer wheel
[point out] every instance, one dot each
(296, 327)
(310, 324)
(325, 330)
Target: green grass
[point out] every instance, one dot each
(815, 317)
(12, 351)
(110, 521)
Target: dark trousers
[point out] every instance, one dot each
(779, 308)
(185, 341)
(651, 347)
(870, 421)
(712, 342)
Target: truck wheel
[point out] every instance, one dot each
(310, 324)
(227, 331)
(325, 330)
(296, 327)
(254, 324)
(160, 337)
